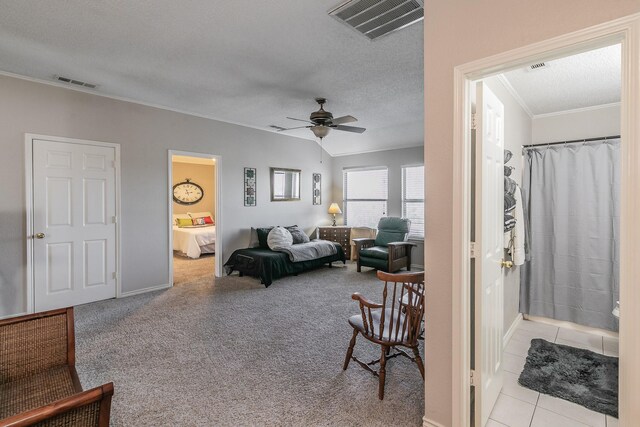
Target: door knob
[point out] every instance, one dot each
(39, 235)
(506, 264)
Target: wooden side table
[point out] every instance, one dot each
(340, 234)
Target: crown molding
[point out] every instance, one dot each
(507, 85)
(377, 150)
(577, 110)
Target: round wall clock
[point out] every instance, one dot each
(187, 192)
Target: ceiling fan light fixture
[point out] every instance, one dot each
(320, 131)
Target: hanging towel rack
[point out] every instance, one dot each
(546, 144)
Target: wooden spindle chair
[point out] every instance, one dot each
(396, 322)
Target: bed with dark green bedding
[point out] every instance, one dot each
(269, 265)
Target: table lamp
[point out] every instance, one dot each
(334, 209)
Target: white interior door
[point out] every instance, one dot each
(74, 231)
(489, 249)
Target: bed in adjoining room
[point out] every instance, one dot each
(193, 240)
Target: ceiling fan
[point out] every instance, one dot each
(321, 122)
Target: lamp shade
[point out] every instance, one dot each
(320, 131)
(334, 209)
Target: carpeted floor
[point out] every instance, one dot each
(232, 353)
(187, 271)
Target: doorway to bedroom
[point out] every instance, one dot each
(194, 218)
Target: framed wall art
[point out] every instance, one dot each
(317, 189)
(250, 186)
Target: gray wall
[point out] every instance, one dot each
(145, 135)
(571, 125)
(393, 160)
(517, 132)
(455, 33)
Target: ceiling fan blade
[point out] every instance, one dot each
(343, 119)
(299, 127)
(349, 128)
(300, 120)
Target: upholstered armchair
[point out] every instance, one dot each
(389, 251)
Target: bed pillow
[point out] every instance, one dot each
(253, 238)
(299, 236)
(199, 214)
(184, 222)
(279, 238)
(263, 233)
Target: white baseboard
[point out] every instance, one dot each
(511, 330)
(417, 266)
(144, 290)
(571, 325)
(122, 295)
(9, 316)
(430, 423)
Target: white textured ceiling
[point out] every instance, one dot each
(585, 80)
(242, 61)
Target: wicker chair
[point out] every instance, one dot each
(396, 322)
(38, 381)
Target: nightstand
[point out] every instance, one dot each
(340, 234)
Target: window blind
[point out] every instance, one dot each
(365, 196)
(413, 199)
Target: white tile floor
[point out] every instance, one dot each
(518, 406)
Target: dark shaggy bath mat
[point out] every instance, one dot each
(580, 376)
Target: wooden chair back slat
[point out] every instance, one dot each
(400, 312)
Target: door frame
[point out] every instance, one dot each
(627, 32)
(217, 213)
(28, 166)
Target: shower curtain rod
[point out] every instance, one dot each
(602, 138)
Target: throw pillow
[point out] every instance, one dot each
(198, 221)
(184, 222)
(279, 238)
(299, 236)
(263, 233)
(209, 220)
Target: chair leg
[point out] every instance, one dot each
(352, 344)
(382, 373)
(416, 354)
(359, 267)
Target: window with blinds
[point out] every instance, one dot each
(413, 199)
(365, 196)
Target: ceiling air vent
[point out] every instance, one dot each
(375, 18)
(75, 82)
(537, 66)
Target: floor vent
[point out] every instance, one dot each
(376, 18)
(75, 82)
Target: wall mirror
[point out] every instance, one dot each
(285, 184)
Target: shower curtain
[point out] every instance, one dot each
(571, 196)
